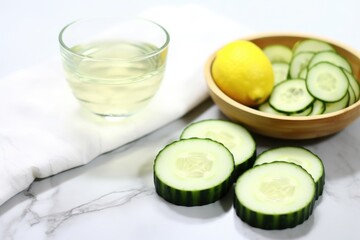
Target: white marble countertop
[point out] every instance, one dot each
(113, 197)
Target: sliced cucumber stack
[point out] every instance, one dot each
(235, 137)
(275, 195)
(276, 191)
(300, 156)
(327, 76)
(193, 172)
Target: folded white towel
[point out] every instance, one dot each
(44, 131)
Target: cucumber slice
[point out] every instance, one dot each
(300, 156)
(265, 107)
(235, 137)
(318, 108)
(327, 82)
(274, 195)
(336, 106)
(331, 57)
(281, 71)
(193, 172)
(278, 53)
(311, 45)
(354, 84)
(299, 62)
(290, 96)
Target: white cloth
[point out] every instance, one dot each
(44, 131)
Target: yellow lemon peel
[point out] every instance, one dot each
(243, 72)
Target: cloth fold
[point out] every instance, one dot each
(44, 131)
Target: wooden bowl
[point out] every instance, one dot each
(286, 127)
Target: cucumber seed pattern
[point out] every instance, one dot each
(194, 165)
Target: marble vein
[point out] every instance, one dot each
(106, 201)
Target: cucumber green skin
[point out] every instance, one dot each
(319, 186)
(242, 167)
(192, 198)
(272, 222)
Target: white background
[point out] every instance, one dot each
(29, 28)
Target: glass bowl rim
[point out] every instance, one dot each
(158, 50)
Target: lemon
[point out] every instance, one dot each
(243, 72)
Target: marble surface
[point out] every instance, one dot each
(113, 196)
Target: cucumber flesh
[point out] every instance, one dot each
(193, 172)
(303, 73)
(327, 82)
(274, 195)
(281, 71)
(234, 136)
(278, 53)
(331, 57)
(300, 156)
(304, 112)
(318, 108)
(265, 107)
(290, 96)
(299, 62)
(354, 84)
(311, 45)
(352, 97)
(336, 106)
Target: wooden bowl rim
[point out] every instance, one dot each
(216, 90)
